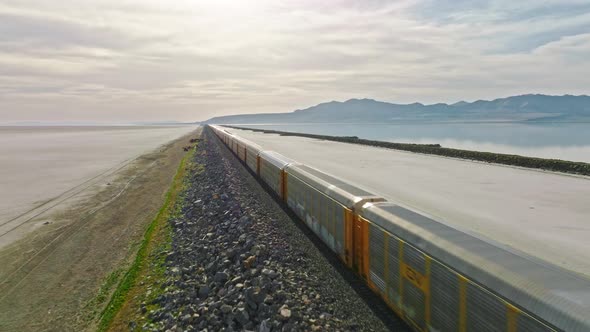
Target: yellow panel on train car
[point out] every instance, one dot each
(415, 277)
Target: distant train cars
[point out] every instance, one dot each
(435, 277)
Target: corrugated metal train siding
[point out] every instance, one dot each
(485, 312)
(414, 299)
(271, 175)
(444, 297)
(393, 277)
(251, 160)
(377, 257)
(322, 214)
(414, 303)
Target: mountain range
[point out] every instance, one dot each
(530, 108)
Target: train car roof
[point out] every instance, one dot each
(554, 294)
(276, 159)
(341, 191)
(250, 145)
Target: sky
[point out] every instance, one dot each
(189, 60)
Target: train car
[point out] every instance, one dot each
(216, 129)
(242, 150)
(326, 204)
(226, 135)
(271, 171)
(231, 140)
(441, 279)
(246, 150)
(228, 139)
(239, 147)
(246, 147)
(435, 277)
(252, 152)
(231, 146)
(235, 145)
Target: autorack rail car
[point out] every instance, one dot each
(252, 153)
(271, 170)
(326, 204)
(428, 271)
(435, 277)
(240, 148)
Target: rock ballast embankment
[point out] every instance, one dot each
(237, 262)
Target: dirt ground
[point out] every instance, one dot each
(58, 278)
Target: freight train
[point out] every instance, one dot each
(435, 277)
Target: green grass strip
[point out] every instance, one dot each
(119, 296)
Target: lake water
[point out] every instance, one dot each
(567, 141)
(38, 164)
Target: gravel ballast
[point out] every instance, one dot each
(239, 262)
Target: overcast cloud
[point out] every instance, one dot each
(188, 60)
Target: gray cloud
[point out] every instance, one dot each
(188, 60)
(46, 32)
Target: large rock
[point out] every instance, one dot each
(221, 277)
(204, 291)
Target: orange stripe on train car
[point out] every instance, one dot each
(348, 238)
(284, 185)
(258, 165)
(361, 246)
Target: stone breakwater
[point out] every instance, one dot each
(554, 165)
(238, 262)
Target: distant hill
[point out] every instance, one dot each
(535, 108)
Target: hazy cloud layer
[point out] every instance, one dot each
(144, 60)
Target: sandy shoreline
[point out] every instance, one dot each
(47, 169)
(50, 275)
